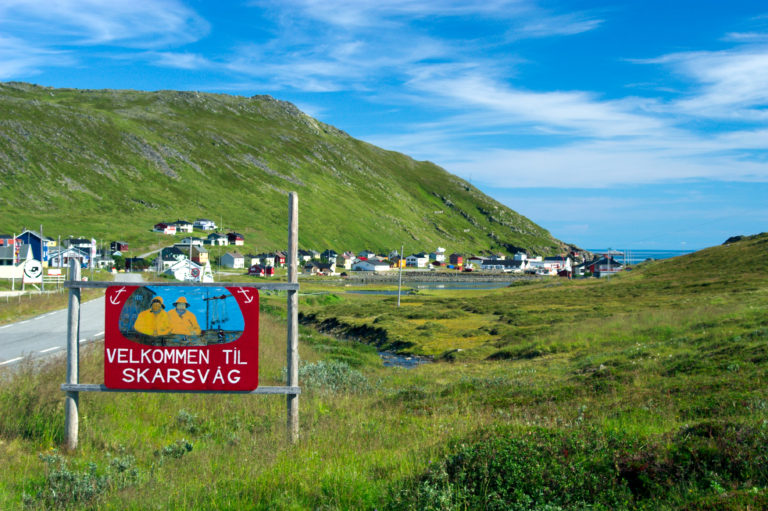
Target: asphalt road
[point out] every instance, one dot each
(47, 334)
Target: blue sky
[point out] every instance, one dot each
(619, 124)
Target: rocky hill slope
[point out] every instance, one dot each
(109, 163)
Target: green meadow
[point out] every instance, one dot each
(645, 391)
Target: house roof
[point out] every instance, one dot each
(216, 235)
(182, 222)
(234, 255)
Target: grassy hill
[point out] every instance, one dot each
(642, 392)
(110, 164)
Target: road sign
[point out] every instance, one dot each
(33, 272)
(181, 338)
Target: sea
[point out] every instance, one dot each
(633, 256)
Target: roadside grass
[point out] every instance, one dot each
(638, 407)
(19, 308)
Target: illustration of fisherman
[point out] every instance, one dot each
(182, 321)
(153, 321)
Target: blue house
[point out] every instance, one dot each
(38, 243)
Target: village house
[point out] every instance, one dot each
(475, 261)
(81, 243)
(397, 262)
(60, 257)
(165, 228)
(263, 259)
(190, 271)
(235, 238)
(183, 226)
(438, 255)
(192, 240)
(12, 259)
(507, 265)
(329, 255)
(200, 255)
(370, 265)
(345, 260)
(456, 259)
(216, 239)
(204, 224)
(6, 239)
(305, 255)
(233, 260)
(258, 270)
(103, 261)
(118, 246)
(600, 267)
(279, 258)
(365, 255)
(318, 268)
(420, 260)
(167, 257)
(40, 244)
(559, 263)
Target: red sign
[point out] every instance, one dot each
(181, 338)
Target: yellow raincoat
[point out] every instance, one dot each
(151, 323)
(184, 324)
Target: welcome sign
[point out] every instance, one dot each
(181, 338)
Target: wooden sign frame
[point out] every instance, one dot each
(73, 387)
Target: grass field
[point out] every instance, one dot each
(647, 391)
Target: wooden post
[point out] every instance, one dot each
(293, 318)
(73, 358)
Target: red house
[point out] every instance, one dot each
(279, 258)
(235, 238)
(165, 228)
(456, 259)
(261, 271)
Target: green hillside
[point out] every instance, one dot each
(106, 163)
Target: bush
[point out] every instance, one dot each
(592, 469)
(333, 376)
(64, 486)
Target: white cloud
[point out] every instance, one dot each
(18, 58)
(189, 61)
(727, 84)
(130, 23)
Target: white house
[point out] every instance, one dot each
(420, 260)
(217, 239)
(59, 257)
(12, 264)
(190, 271)
(507, 266)
(165, 228)
(370, 266)
(233, 260)
(191, 240)
(438, 255)
(560, 263)
(476, 261)
(204, 224)
(183, 226)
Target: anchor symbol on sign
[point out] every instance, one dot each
(115, 299)
(248, 298)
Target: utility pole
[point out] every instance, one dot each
(42, 258)
(13, 254)
(400, 280)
